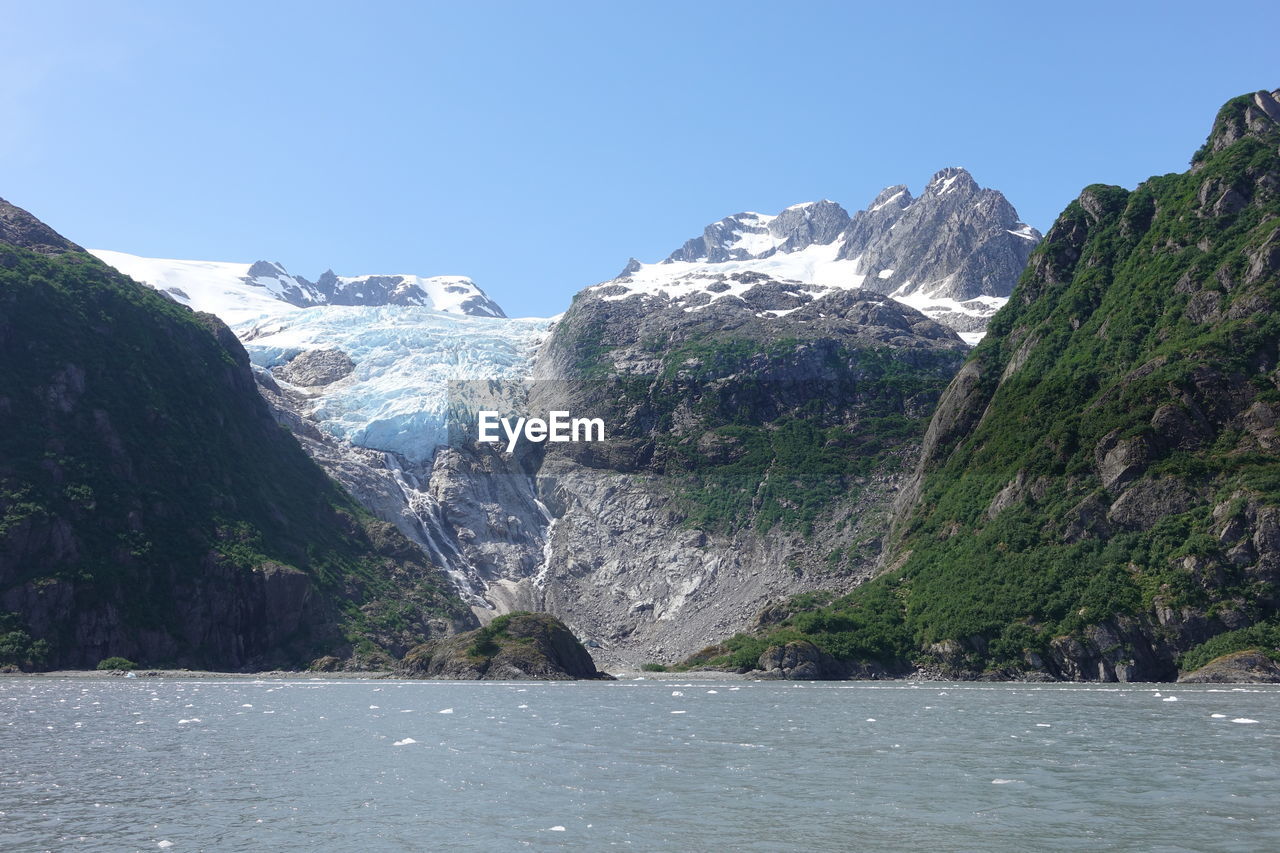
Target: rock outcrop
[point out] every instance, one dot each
(1250, 667)
(517, 645)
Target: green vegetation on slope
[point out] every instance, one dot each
(146, 492)
(772, 433)
(1104, 482)
(1265, 637)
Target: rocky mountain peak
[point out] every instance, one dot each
(954, 252)
(895, 197)
(803, 225)
(267, 268)
(956, 241)
(1257, 115)
(21, 229)
(951, 180)
(734, 238)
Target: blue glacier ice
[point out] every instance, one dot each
(396, 398)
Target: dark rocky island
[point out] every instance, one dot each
(518, 645)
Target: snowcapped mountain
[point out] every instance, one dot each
(954, 253)
(241, 292)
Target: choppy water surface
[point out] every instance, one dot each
(651, 765)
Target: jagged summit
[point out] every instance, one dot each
(1257, 114)
(954, 252)
(951, 179)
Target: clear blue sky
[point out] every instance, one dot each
(536, 146)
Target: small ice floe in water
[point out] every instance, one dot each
(556, 829)
(679, 712)
(1171, 698)
(1243, 720)
(404, 742)
(246, 706)
(1004, 781)
(373, 707)
(445, 711)
(192, 720)
(522, 707)
(1218, 716)
(164, 845)
(676, 693)
(713, 691)
(1044, 725)
(871, 719)
(735, 688)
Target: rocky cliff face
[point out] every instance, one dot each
(1097, 494)
(714, 492)
(956, 241)
(151, 508)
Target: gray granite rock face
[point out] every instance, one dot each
(803, 225)
(956, 240)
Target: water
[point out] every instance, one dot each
(225, 765)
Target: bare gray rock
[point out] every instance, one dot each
(316, 367)
(1121, 460)
(956, 240)
(1147, 501)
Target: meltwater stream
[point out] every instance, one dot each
(150, 764)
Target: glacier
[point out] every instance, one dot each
(396, 398)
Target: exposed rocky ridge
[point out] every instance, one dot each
(331, 289)
(1096, 495)
(956, 240)
(150, 507)
(954, 252)
(518, 645)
